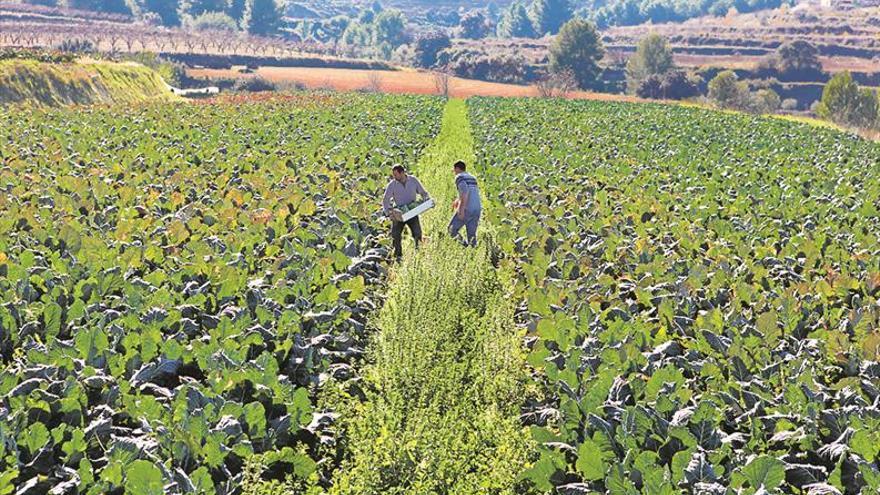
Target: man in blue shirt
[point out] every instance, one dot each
(468, 206)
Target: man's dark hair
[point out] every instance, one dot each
(460, 165)
(398, 169)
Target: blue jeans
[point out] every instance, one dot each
(470, 222)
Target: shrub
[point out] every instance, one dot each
(556, 85)
(793, 60)
(254, 84)
(673, 85)
(844, 103)
(789, 104)
(477, 64)
(52, 57)
(76, 46)
(428, 45)
(174, 73)
(727, 91)
(213, 21)
(765, 101)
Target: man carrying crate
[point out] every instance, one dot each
(403, 189)
(467, 207)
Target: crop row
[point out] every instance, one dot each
(700, 292)
(177, 281)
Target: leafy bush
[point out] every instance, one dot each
(672, 85)
(795, 60)
(38, 55)
(727, 91)
(254, 84)
(76, 45)
(213, 21)
(765, 101)
(843, 102)
(428, 46)
(173, 73)
(486, 66)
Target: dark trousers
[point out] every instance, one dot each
(397, 233)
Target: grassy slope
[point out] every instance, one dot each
(79, 83)
(446, 376)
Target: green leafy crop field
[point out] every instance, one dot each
(197, 298)
(177, 280)
(700, 292)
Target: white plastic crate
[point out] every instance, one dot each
(418, 210)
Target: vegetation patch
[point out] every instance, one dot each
(24, 81)
(446, 375)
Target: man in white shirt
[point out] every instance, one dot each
(403, 190)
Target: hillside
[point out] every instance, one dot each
(86, 82)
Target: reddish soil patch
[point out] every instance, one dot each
(403, 81)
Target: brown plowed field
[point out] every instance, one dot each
(402, 81)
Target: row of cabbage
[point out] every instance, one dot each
(700, 292)
(176, 283)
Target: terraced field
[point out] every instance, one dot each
(197, 298)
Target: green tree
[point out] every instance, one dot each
(389, 27)
(428, 45)
(110, 6)
(653, 57)
(765, 101)
(548, 16)
(358, 34)
(236, 9)
(727, 91)
(797, 57)
(843, 102)
(261, 17)
(195, 8)
(474, 25)
(213, 21)
(515, 23)
(165, 9)
(578, 48)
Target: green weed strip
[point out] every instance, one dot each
(700, 291)
(446, 376)
(177, 282)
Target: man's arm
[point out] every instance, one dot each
(386, 201)
(462, 202)
(421, 190)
